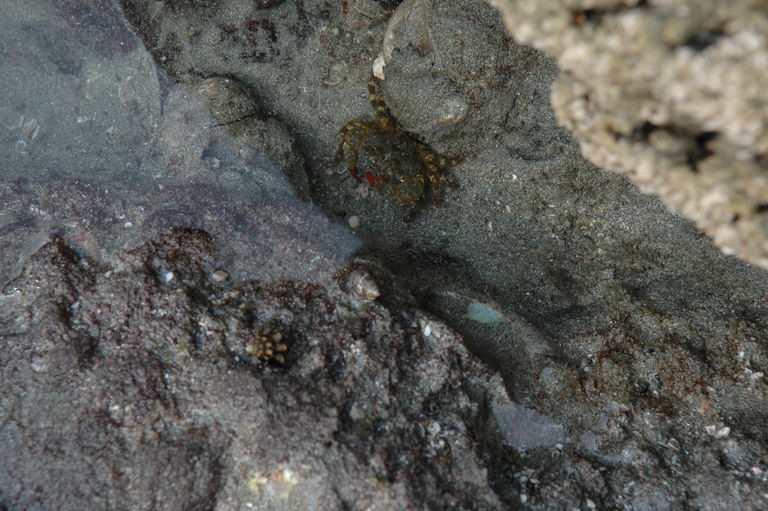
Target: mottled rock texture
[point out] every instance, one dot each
(136, 386)
(630, 352)
(671, 93)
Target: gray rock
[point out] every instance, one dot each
(612, 316)
(138, 386)
(606, 318)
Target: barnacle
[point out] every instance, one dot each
(267, 345)
(360, 282)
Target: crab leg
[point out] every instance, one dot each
(349, 146)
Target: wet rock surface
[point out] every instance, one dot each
(135, 386)
(600, 308)
(629, 353)
(107, 153)
(671, 94)
(152, 384)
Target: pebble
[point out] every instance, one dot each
(219, 275)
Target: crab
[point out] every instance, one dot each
(394, 162)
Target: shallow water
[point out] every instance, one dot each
(100, 147)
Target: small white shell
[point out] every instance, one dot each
(378, 67)
(219, 275)
(361, 283)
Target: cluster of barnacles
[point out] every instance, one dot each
(267, 345)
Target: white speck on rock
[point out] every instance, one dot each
(378, 67)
